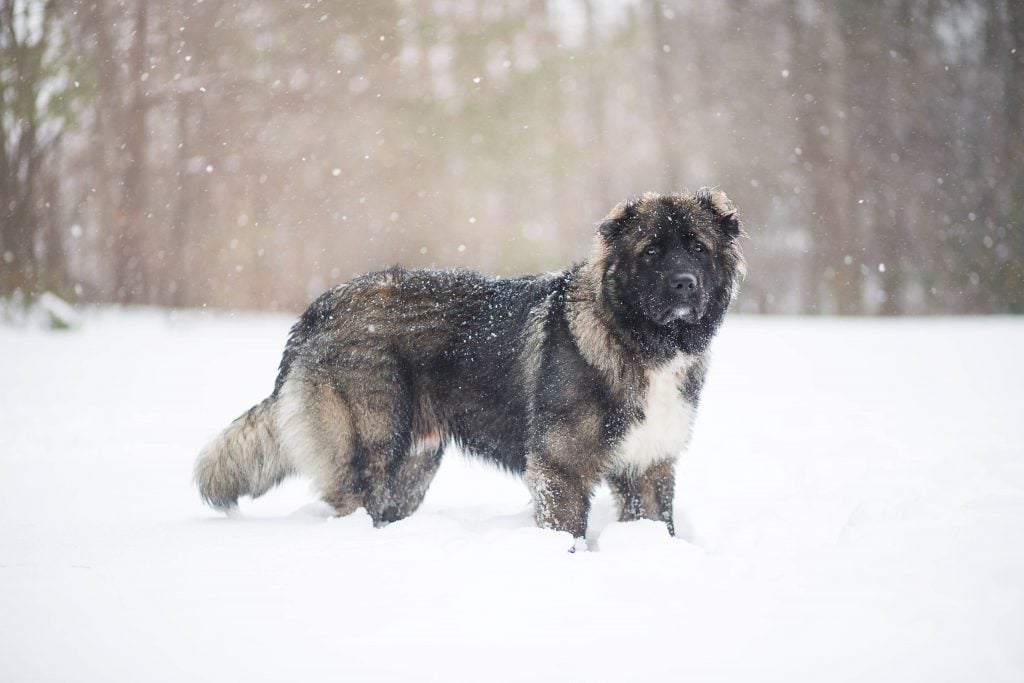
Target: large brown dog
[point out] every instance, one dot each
(590, 374)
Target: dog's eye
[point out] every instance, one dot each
(698, 247)
(651, 251)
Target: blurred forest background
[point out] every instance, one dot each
(251, 154)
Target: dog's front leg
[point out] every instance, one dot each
(561, 497)
(646, 495)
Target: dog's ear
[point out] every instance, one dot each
(723, 209)
(617, 220)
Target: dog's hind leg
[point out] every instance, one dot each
(316, 430)
(379, 396)
(351, 433)
(410, 479)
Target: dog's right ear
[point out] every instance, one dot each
(617, 220)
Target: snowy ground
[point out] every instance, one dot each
(853, 504)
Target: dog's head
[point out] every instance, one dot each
(673, 260)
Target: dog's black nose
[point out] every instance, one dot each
(684, 282)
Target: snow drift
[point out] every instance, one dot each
(852, 508)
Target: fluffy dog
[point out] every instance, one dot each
(593, 373)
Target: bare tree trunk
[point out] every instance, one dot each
(1012, 174)
(105, 139)
(23, 211)
(177, 261)
(17, 194)
(6, 150)
(131, 275)
(663, 105)
(818, 60)
(596, 102)
(1014, 93)
(892, 237)
(55, 262)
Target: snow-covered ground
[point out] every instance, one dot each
(853, 505)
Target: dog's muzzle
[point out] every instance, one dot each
(684, 298)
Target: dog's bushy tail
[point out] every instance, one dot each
(244, 459)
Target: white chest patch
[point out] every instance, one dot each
(665, 428)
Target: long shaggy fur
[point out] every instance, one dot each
(569, 379)
(243, 460)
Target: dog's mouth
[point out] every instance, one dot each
(686, 313)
